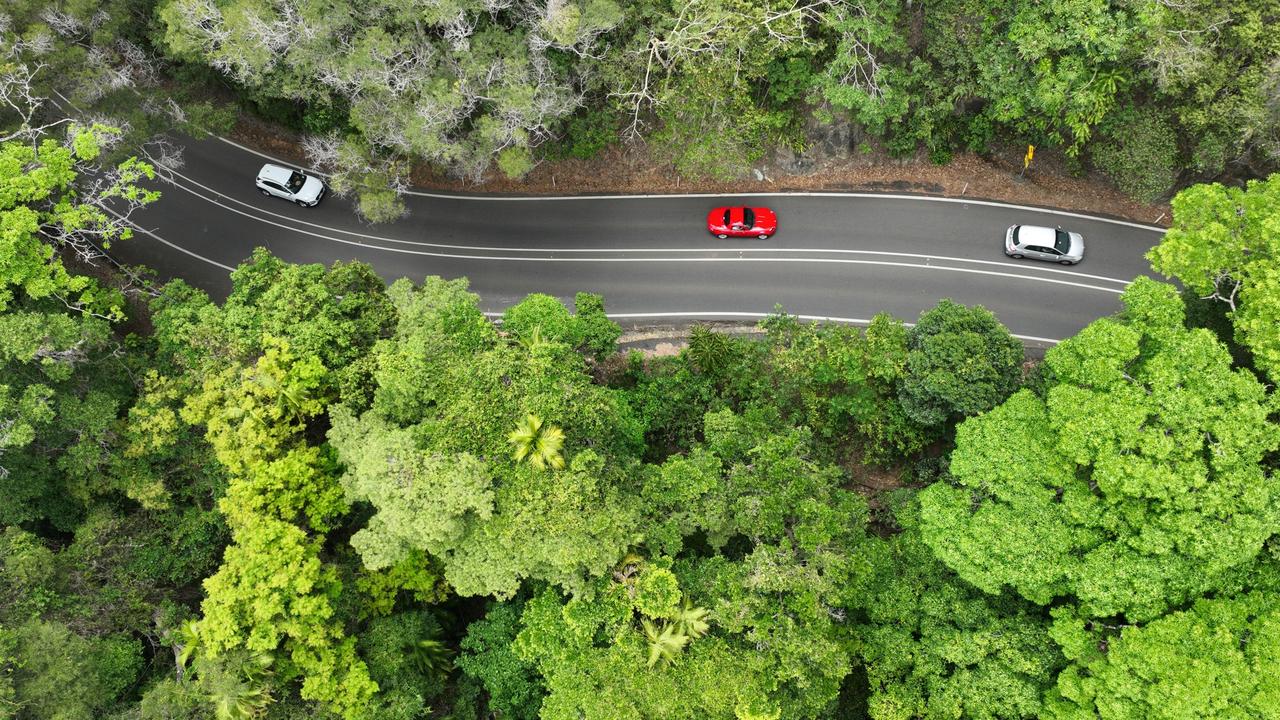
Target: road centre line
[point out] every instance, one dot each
(482, 248)
(835, 261)
(889, 196)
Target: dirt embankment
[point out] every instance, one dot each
(632, 169)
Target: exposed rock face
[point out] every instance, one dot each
(827, 142)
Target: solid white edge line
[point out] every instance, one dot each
(818, 318)
(507, 258)
(484, 248)
(887, 196)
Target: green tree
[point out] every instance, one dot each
(1224, 244)
(488, 654)
(273, 593)
(49, 659)
(424, 501)
(408, 661)
(449, 391)
(1209, 661)
(960, 361)
(750, 618)
(936, 647)
(1137, 148)
(842, 383)
(64, 376)
(590, 331)
(1136, 481)
(1213, 64)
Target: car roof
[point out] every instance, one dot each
(1037, 235)
(275, 172)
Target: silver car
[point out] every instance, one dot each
(1042, 243)
(292, 185)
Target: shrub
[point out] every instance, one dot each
(587, 133)
(599, 333)
(960, 361)
(515, 162)
(1138, 150)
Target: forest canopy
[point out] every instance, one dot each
(1153, 94)
(327, 496)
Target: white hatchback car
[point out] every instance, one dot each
(1042, 243)
(292, 185)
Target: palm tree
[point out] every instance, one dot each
(535, 342)
(186, 642)
(710, 351)
(431, 658)
(538, 443)
(691, 621)
(665, 643)
(238, 685)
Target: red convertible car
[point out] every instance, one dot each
(742, 222)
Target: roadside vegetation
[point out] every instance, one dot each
(327, 497)
(330, 497)
(1156, 95)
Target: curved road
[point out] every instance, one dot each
(841, 256)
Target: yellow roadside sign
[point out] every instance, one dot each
(1031, 152)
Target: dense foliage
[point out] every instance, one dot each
(327, 497)
(1152, 93)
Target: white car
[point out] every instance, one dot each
(1042, 243)
(292, 185)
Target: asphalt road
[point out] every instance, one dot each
(843, 256)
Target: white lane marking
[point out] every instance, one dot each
(484, 248)
(508, 258)
(179, 248)
(722, 314)
(888, 196)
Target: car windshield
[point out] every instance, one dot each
(748, 217)
(296, 181)
(1062, 242)
(726, 216)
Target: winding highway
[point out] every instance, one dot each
(843, 256)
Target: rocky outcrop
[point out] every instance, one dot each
(829, 137)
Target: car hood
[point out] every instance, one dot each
(1077, 245)
(310, 191)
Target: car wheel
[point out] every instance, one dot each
(722, 236)
(301, 204)
(1065, 262)
(1016, 256)
(264, 192)
(764, 237)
